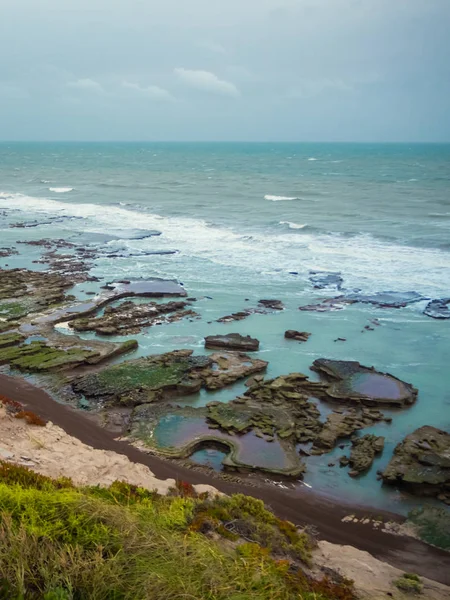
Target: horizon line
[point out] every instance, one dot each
(137, 141)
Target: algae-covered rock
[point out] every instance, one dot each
(162, 376)
(145, 379)
(349, 381)
(232, 341)
(10, 339)
(227, 418)
(39, 357)
(421, 462)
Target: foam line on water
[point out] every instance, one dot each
(364, 261)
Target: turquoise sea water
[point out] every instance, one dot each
(248, 221)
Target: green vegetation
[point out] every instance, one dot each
(59, 542)
(409, 582)
(432, 525)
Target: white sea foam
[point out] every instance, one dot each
(365, 262)
(61, 190)
(45, 181)
(312, 158)
(279, 198)
(293, 225)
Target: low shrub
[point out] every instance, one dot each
(409, 583)
(60, 542)
(30, 417)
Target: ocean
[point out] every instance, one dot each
(239, 222)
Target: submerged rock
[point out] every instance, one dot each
(438, 309)
(385, 299)
(232, 341)
(300, 336)
(364, 449)
(326, 279)
(328, 305)
(352, 382)
(421, 462)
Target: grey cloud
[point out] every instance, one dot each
(207, 82)
(88, 85)
(153, 92)
(362, 70)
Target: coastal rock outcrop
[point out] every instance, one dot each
(352, 382)
(421, 463)
(164, 376)
(364, 449)
(23, 291)
(130, 318)
(232, 341)
(300, 336)
(342, 425)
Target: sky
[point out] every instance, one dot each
(206, 70)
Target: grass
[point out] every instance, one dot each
(60, 542)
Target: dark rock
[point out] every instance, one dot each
(272, 304)
(232, 341)
(364, 449)
(339, 339)
(325, 279)
(343, 461)
(421, 462)
(301, 336)
(438, 309)
(5, 252)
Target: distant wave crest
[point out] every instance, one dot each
(293, 225)
(279, 198)
(61, 190)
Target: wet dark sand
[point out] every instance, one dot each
(404, 553)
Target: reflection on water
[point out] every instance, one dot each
(375, 386)
(177, 431)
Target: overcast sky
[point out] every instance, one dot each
(306, 70)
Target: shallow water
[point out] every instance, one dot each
(248, 221)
